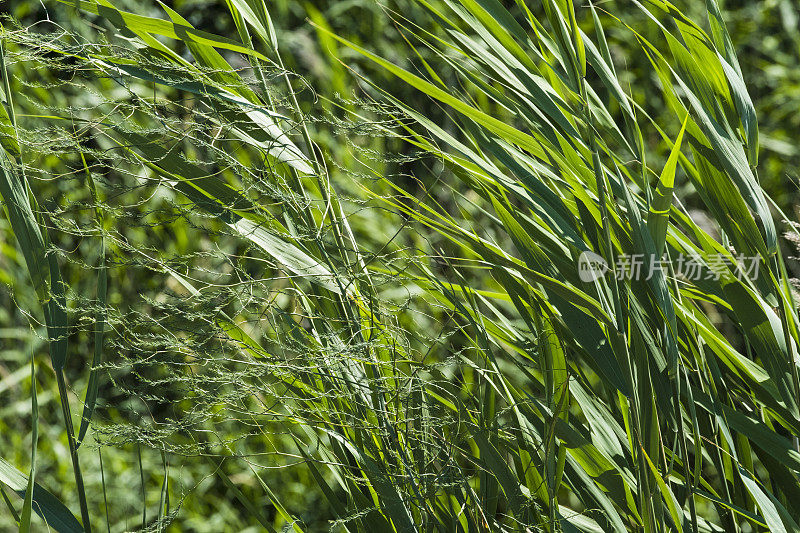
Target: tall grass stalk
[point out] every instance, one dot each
(22, 212)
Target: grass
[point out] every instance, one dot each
(255, 327)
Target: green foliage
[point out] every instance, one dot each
(352, 301)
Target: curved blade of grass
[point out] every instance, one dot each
(52, 511)
(489, 122)
(675, 510)
(8, 136)
(658, 217)
(139, 23)
(775, 515)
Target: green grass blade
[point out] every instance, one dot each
(25, 517)
(47, 506)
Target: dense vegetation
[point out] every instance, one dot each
(323, 266)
